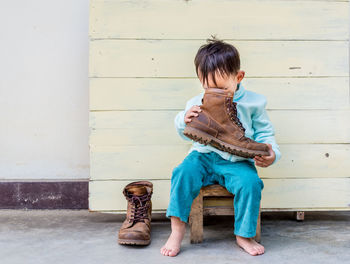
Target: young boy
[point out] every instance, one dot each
(218, 65)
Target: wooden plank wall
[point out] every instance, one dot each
(141, 73)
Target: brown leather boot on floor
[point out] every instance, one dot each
(218, 125)
(136, 228)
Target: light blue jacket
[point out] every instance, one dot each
(252, 114)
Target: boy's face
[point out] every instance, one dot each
(224, 82)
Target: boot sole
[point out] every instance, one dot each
(206, 139)
(133, 242)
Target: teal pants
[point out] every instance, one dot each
(202, 169)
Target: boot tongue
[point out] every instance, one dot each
(137, 190)
(219, 91)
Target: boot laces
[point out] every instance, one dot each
(140, 206)
(232, 111)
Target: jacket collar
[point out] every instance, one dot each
(239, 92)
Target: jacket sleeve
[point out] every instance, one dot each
(263, 128)
(179, 120)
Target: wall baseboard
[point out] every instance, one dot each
(44, 195)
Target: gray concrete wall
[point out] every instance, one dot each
(44, 90)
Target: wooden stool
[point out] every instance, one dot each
(198, 211)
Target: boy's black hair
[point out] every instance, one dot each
(219, 56)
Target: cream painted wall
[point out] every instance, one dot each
(294, 52)
(44, 90)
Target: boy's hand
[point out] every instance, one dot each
(192, 112)
(265, 161)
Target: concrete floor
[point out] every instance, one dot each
(65, 236)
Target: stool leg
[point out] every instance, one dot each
(196, 219)
(258, 227)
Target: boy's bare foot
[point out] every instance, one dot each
(172, 246)
(250, 245)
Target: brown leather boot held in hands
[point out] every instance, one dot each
(218, 125)
(136, 228)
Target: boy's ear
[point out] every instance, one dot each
(240, 76)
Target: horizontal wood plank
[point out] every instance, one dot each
(277, 193)
(276, 19)
(136, 162)
(174, 58)
(157, 162)
(172, 93)
(157, 127)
